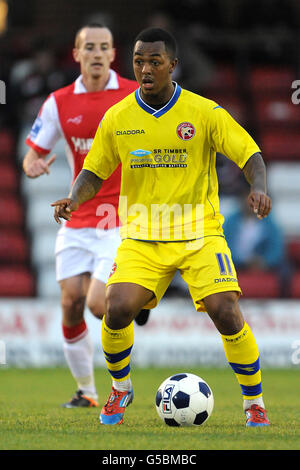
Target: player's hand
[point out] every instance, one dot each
(64, 208)
(260, 203)
(39, 167)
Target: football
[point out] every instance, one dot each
(184, 400)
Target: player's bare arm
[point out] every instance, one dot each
(35, 164)
(255, 174)
(84, 188)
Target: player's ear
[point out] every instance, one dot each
(173, 65)
(113, 54)
(75, 53)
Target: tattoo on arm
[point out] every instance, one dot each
(255, 173)
(85, 187)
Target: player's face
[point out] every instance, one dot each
(94, 51)
(153, 68)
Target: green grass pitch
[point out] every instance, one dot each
(31, 417)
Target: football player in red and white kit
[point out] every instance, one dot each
(86, 245)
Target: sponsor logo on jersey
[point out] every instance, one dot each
(140, 153)
(113, 269)
(76, 120)
(37, 125)
(81, 145)
(185, 131)
(130, 131)
(161, 158)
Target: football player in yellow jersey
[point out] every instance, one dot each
(166, 139)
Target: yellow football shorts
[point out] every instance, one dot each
(206, 270)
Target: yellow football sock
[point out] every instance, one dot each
(117, 345)
(242, 354)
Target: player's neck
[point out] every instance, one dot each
(94, 84)
(159, 100)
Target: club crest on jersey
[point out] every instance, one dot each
(185, 131)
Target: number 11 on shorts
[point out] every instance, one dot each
(224, 264)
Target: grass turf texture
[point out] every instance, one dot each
(31, 417)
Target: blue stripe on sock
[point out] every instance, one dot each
(113, 358)
(246, 369)
(120, 374)
(251, 390)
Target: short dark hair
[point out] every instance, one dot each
(158, 34)
(89, 25)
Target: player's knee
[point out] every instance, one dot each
(96, 308)
(119, 312)
(72, 308)
(224, 310)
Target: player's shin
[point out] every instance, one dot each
(117, 345)
(243, 356)
(78, 350)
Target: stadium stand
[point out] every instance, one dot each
(295, 286)
(11, 212)
(13, 247)
(267, 287)
(16, 273)
(280, 144)
(8, 177)
(264, 80)
(16, 281)
(294, 251)
(6, 144)
(276, 111)
(224, 80)
(17, 277)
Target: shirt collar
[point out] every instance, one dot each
(159, 112)
(112, 84)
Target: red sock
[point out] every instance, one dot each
(74, 333)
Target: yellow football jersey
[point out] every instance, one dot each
(169, 186)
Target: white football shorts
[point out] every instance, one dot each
(81, 250)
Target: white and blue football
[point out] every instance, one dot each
(184, 400)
